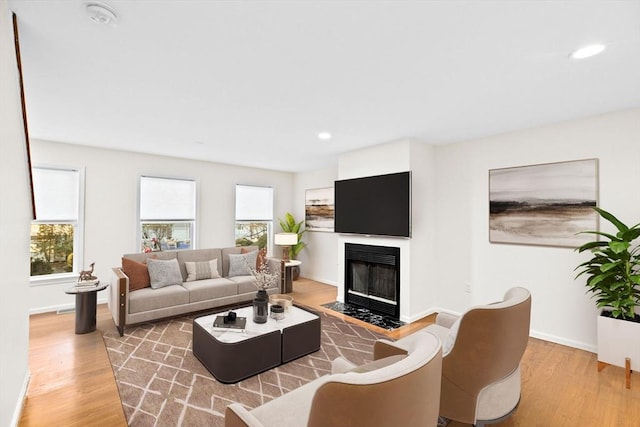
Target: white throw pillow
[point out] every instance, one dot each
(241, 264)
(164, 272)
(202, 270)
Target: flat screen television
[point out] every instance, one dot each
(374, 205)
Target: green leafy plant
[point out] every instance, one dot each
(289, 225)
(613, 273)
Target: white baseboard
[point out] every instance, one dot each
(61, 307)
(322, 280)
(564, 341)
(17, 412)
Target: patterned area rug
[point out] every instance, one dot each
(161, 383)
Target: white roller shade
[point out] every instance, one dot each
(254, 203)
(167, 199)
(57, 194)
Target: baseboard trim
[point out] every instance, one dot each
(70, 308)
(17, 413)
(592, 348)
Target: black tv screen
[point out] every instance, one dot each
(376, 205)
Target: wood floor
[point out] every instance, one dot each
(72, 383)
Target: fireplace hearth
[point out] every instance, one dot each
(372, 278)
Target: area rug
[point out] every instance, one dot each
(161, 382)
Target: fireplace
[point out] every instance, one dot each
(372, 278)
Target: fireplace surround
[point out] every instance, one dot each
(372, 278)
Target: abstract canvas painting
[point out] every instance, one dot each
(319, 209)
(545, 204)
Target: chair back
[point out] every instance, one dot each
(489, 345)
(405, 393)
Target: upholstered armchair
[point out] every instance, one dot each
(482, 350)
(399, 388)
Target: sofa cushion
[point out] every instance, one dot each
(244, 284)
(200, 270)
(198, 255)
(164, 273)
(208, 289)
(144, 256)
(241, 264)
(235, 250)
(153, 299)
(137, 273)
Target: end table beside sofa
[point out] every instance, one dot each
(229, 283)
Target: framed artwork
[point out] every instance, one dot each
(319, 209)
(546, 204)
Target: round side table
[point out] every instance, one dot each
(86, 299)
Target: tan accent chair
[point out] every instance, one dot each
(399, 388)
(482, 350)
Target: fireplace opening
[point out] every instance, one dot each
(372, 278)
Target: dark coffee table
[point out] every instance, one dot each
(232, 356)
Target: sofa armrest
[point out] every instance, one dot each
(119, 290)
(237, 416)
(446, 320)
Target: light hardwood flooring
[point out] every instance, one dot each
(72, 383)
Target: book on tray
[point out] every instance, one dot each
(238, 323)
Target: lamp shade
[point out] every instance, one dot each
(286, 239)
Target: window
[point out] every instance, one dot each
(254, 216)
(167, 213)
(56, 234)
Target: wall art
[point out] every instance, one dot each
(319, 209)
(544, 204)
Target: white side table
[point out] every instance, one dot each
(288, 275)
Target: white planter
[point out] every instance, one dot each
(617, 340)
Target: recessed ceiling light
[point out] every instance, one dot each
(324, 135)
(587, 51)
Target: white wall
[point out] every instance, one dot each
(561, 311)
(319, 260)
(450, 251)
(111, 189)
(15, 220)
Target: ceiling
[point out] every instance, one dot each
(253, 82)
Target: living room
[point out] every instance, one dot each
(449, 262)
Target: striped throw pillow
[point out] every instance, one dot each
(202, 270)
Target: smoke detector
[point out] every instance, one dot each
(101, 13)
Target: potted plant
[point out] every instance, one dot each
(613, 277)
(289, 225)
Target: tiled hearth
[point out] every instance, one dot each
(365, 315)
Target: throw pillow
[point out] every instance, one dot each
(202, 270)
(164, 273)
(137, 272)
(241, 264)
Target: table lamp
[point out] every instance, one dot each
(287, 240)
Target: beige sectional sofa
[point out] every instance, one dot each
(130, 305)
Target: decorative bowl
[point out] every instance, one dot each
(280, 299)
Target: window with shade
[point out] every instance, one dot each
(56, 233)
(254, 216)
(167, 213)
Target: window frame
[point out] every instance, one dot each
(78, 232)
(246, 220)
(141, 221)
